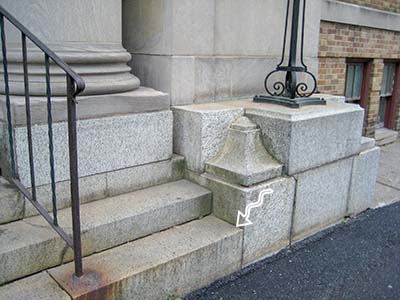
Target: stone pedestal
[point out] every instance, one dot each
(329, 169)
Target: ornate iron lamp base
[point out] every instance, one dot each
(292, 103)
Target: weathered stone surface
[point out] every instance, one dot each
(5, 159)
(95, 52)
(321, 197)
(176, 261)
(26, 249)
(199, 79)
(200, 131)
(90, 188)
(139, 177)
(104, 145)
(363, 181)
(308, 137)
(271, 222)
(36, 287)
(113, 183)
(367, 143)
(166, 27)
(228, 56)
(243, 159)
(30, 245)
(90, 107)
(11, 202)
(253, 27)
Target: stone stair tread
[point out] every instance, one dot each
(37, 287)
(11, 203)
(175, 261)
(30, 245)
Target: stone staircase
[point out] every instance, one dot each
(134, 244)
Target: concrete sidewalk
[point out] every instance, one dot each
(388, 186)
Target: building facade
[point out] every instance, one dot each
(210, 51)
(359, 58)
(165, 148)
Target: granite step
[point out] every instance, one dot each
(30, 245)
(173, 262)
(385, 136)
(12, 203)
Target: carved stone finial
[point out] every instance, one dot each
(243, 159)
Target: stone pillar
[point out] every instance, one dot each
(87, 34)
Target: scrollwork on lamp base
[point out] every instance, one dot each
(292, 93)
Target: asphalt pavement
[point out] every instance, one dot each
(358, 259)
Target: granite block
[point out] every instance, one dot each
(271, 222)
(104, 145)
(200, 131)
(321, 197)
(363, 181)
(12, 203)
(308, 137)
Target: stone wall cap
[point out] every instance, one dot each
(243, 123)
(298, 114)
(206, 107)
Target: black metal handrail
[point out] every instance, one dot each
(75, 85)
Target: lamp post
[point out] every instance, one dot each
(292, 93)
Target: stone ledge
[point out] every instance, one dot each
(340, 12)
(89, 107)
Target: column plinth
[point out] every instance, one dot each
(86, 34)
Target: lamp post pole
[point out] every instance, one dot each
(291, 80)
(291, 93)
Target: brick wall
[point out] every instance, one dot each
(339, 42)
(388, 5)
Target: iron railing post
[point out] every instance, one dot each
(7, 94)
(73, 163)
(75, 85)
(28, 116)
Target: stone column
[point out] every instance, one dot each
(112, 112)
(85, 33)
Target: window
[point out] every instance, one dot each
(354, 82)
(389, 71)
